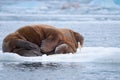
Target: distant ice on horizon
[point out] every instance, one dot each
(106, 3)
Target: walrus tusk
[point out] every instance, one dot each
(79, 46)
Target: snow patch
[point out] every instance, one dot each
(86, 54)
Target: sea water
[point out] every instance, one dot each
(99, 59)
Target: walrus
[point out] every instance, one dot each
(36, 40)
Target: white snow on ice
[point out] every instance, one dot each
(86, 54)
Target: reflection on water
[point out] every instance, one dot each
(32, 66)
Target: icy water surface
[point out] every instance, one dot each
(97, 20)
(60, 71)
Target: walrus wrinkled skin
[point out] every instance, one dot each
(33, 40)
(71, 41)
(36, 40)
